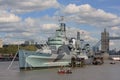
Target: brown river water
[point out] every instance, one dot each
(106, 71)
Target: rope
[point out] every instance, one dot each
(12, 61)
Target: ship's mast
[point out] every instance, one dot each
(62, 25)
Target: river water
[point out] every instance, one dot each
(106, 71)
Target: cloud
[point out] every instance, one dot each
(111, 43)
(49, 26)
(22, 6)
(115, 28)
(115, 31)
(6, 17)
(29, 28)
(115, 45)
(29, 21)
(71, 8)
(86, 14)
(115, 35)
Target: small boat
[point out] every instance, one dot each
(61, 72)
(112, 62)
(65, 71)
(116, 58)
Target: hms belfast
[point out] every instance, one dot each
(59, 50)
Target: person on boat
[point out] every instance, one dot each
(61, 69)
(68, 71)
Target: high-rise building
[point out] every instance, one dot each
(105, 41)
(1, 43)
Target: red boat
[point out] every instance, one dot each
(64, 72)
(61, 72)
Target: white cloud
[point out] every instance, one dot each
(49, 26)
(29, 28)
(115, 45)
(86, 14)
(29, 21)
(111, 43)
(115, 28)
(26, 33)
(6, 17)
(71, 8)
(22, 6)
(114, 34)
(115, 31)
(12, 41)
(89, 38)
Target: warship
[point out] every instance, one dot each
(57, 51)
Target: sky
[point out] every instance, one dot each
(37, 20)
